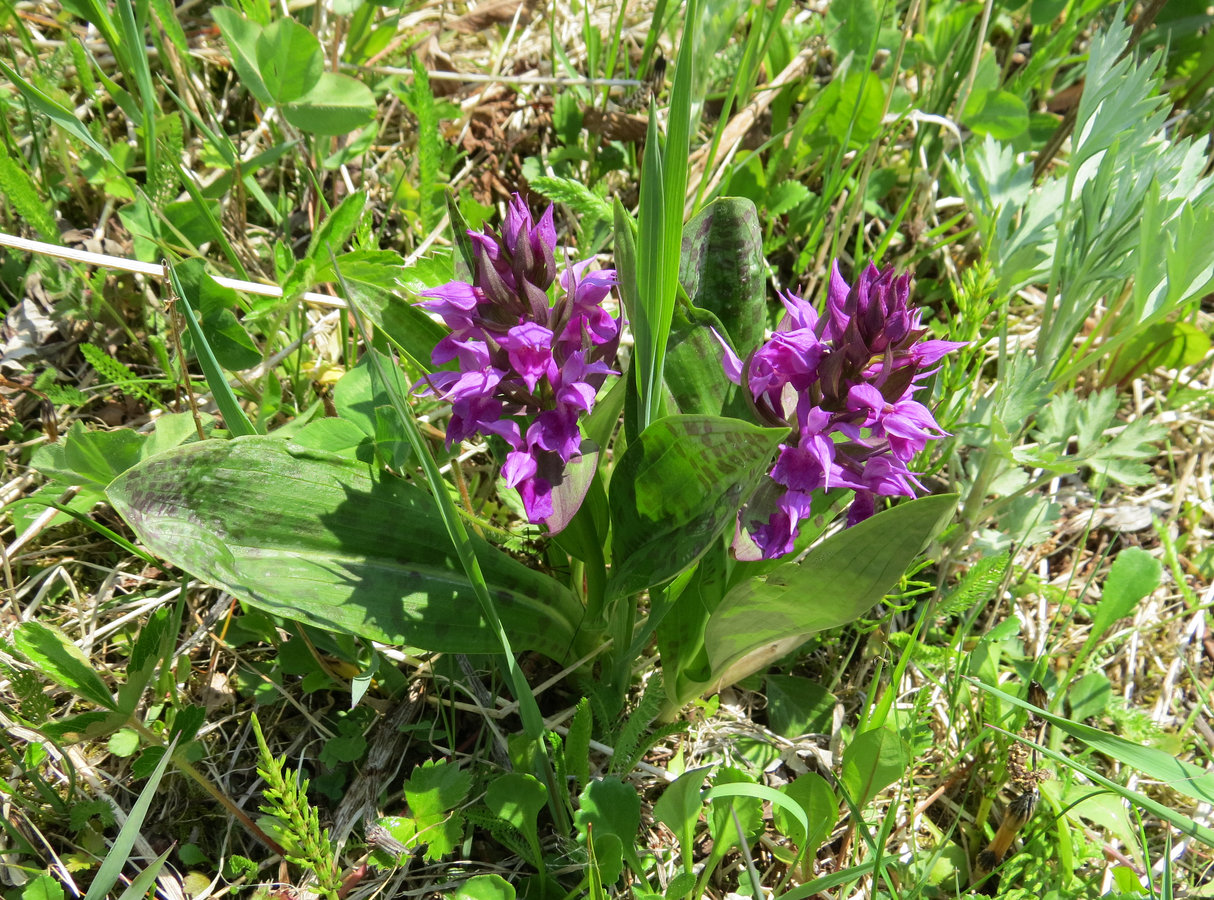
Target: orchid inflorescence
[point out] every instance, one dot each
(524, 361)
(844, 381)
(530, 367)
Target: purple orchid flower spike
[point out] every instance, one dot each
(529, 369)
(844, 381)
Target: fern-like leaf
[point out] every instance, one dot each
(420, 100)
(583, 201)
(628, 745)
(977, 586)
(502, 832)
(115, 373)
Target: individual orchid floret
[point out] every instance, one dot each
(529, 368)
(844, 381)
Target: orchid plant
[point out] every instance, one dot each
(708, 511)
(682, 484)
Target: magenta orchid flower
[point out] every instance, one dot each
(844, 381)
(529, 369)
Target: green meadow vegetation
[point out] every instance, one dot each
(729, 448)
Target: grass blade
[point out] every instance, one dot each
(120, 852)
(233, 415)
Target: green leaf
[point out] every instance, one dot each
(1089, 696)
(651, 319)
(420, 100)
(571, 192)
(434, 791)
(837, 582)
(821, 809)
(1167, 345)
(679, 808)
(852, 27)
(43, 887)
(517, 799)
(289, 60)
(785, 196)
(328, 542)
(797, 706)
(124, 742)
(89, 726)
(60, 115)
(736, 801)
(485, 887)
(611, 808)
(404, 323)
(230, 342)
(1000, 114)
(19, 189)
(1133, 575)
(241, 36)
(62, 662)
(191, 271)
(337, 104)
(1159, 765)
(855, 120)
(100, 456)
(872, 761)
(152, 647)
(577, 743)
(675, 490)
(333, 233)
(723, 270)
(604, 862)
(337, 436)
(120, 851)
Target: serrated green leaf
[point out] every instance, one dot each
(572, 193)
(43, 887)
(62, 662)
(785, 196)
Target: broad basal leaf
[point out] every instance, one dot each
(675, 490)
(334, 544)
(837, 582)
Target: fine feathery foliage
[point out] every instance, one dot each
(286, 799)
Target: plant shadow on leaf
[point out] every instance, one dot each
(327, 541)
